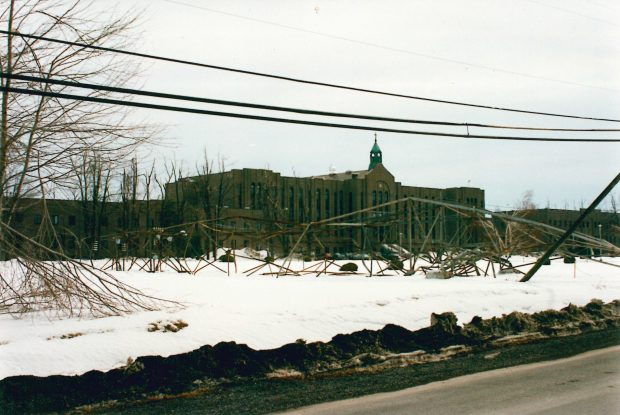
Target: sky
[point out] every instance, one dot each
(544, 55)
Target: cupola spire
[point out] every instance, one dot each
(376, 156)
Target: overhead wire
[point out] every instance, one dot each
(298, 80)
(293, 121)
(164, 95)
(392, 48)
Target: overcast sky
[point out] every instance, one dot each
(543, 55)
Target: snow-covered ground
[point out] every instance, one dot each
(266, 312)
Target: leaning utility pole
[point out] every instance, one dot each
(570, 230)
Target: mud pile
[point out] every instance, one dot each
(229, 361)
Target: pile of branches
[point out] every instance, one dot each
(41, 279)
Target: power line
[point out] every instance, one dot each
(585, 16)
(154, 94)
(298, 80)
(399, 50)
(292, 121)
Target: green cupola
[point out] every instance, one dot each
(376, 156)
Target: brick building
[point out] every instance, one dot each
(249, 200)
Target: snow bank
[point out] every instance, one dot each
(266, 312)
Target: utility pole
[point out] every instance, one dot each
(571, 229)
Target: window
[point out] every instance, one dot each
(300, 205)
(55, 219)
(104, 221)
(291, 203)
(318, 204)
(71, 220)
(327, 215)
(260, 196)
(253, 196)
(374, 197)
(37, 219)
(19, 217)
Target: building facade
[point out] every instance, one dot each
(346, 212)
(255, 204)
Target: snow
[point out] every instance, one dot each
(266, 312)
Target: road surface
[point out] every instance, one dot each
(588, 383)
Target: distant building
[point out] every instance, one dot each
(261, 209)
(600, 224)
(87, 229)
(251, 198)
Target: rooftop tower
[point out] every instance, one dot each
(376, 156)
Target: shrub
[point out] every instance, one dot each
(569, 259)
(349, 266)
(269, 259)
(226, 258)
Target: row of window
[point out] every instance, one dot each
(55, 219)
(37, 219)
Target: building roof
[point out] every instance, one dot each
(347, 175)
(375, 148)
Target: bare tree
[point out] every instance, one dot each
(93, 176)
(206, 193)
(170, 187)
(527, 201)
(40, 137)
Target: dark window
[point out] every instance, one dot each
(318, 204)
(104, 221)
(71, 220)
(291, 203)
(253, 196)
(327, 215)
(374, 197)
(240, 197)
(19, 217)
(37, 219)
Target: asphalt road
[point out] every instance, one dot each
(588, 383)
